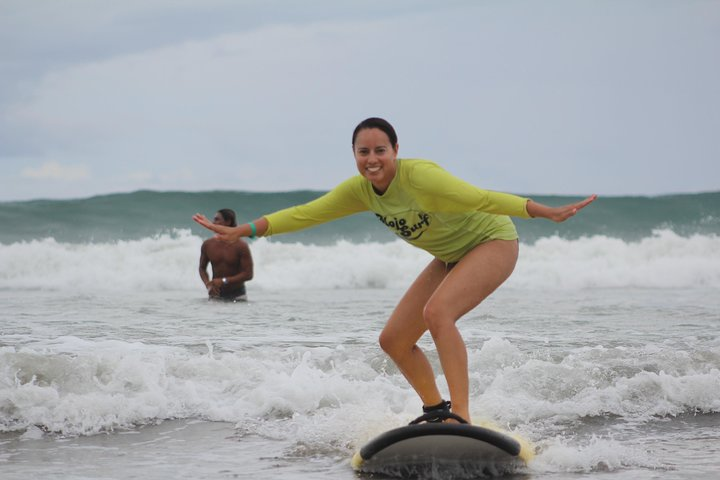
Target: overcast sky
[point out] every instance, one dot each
(613, 97)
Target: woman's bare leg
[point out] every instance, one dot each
(405, 327)
(474, 277)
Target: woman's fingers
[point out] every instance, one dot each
(201, 219)
(224, 233)
(563, 213)
(586, 202)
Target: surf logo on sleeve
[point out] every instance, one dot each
(409, 227)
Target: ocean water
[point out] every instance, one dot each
(602, 349)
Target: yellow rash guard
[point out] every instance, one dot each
(424, 205)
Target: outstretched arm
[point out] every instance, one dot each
(231, 234)
(557, 214)
(341, 201)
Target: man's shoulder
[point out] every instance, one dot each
(215, 246)
(217, 241)
(240, 243)
(237, 245)
(213, 243)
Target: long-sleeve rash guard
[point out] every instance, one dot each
(424, 205)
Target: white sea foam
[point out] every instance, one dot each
(168, 262)
(664, 260)
(614, 383)
(597, 455)
(77, 386)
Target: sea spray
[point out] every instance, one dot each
(169, 262)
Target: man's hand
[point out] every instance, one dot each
(213, 287)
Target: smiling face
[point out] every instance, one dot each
(376, 157)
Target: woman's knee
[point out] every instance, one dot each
(388, 342)
(394, 345)
(436, 318)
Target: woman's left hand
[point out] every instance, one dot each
(557, 214)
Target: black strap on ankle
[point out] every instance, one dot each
(437, 414)
(437, 417)
(443, 406)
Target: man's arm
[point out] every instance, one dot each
(245, 265)
(204, 261)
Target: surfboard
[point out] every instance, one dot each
(455, 449)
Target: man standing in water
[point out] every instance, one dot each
(232, 263)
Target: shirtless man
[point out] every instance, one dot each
(232, 264)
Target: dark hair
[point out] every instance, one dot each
(379, 123)
(229, 216)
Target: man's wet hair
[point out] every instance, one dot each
(229, 216)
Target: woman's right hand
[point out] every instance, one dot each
(224, 233)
